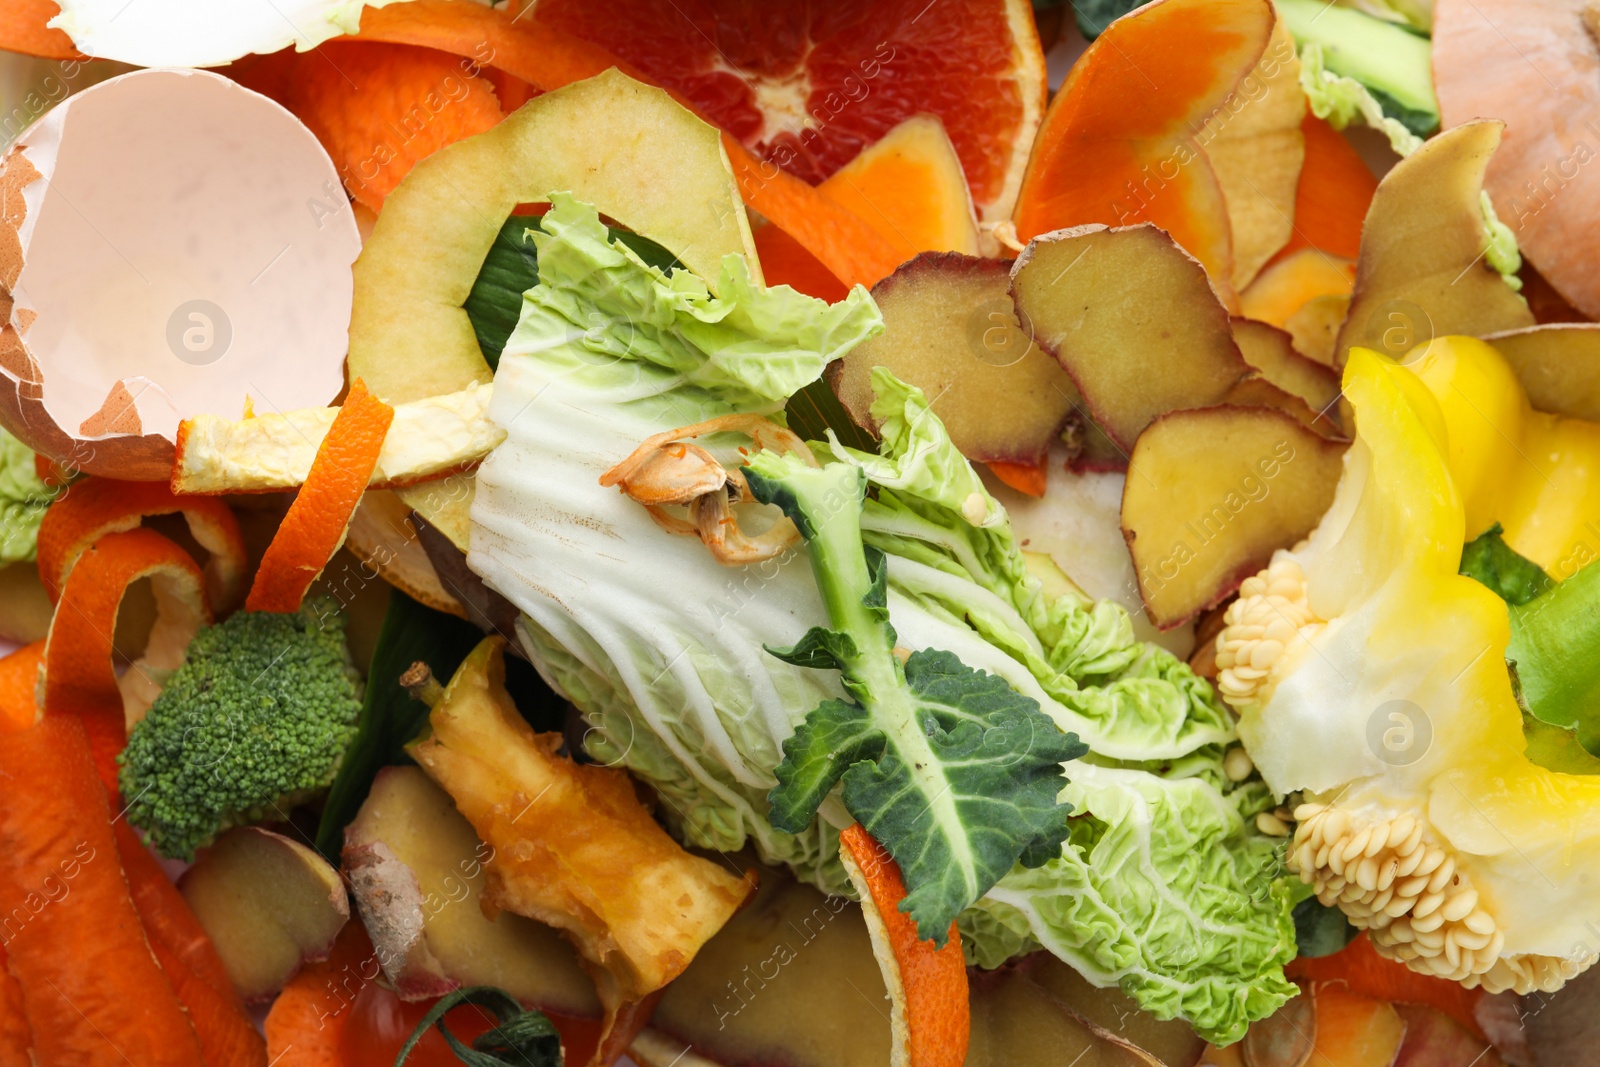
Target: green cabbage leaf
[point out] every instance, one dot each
(24, 496)
(665, 651)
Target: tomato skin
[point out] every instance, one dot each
(381, 1022)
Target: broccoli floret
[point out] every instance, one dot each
(256, 720)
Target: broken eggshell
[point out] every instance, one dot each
(171, 244)
(203, 33)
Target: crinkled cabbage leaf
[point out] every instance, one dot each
(24, 496)
(664, 649)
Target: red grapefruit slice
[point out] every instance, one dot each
(808, 84)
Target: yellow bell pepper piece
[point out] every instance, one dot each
(1386, 701)
(1537, 475)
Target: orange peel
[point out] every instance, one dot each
(23, 28)
(19, 687)
(315, 526)
(95, 507)
(362, 100)
(930, 1013)
(79, 674)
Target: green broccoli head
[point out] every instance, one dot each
(257, 719)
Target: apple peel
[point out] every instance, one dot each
(429, 437)
(216, 265)
(383, 534)
(929, 1010)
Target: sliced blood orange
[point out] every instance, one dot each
(808, 84)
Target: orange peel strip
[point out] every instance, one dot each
(95, 507)
(929, 1010)
(547, 59)
(1029, 478)
(79, 676)
(315, 526)
(19, 687)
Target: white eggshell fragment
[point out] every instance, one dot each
(203, 33)
(172, 244)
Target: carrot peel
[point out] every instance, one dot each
(306, 1025)
(1029, 478)
(19, 686)
(92, 990)
(315, 526)
(1359, 969)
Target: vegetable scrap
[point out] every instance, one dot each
(598, 532)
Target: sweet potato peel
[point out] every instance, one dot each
(1101, 159)
(929, 1010)
(92, 989)
(1333, 194)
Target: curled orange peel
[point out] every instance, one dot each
(930, 1014)
(94, 507)
(80, 676)
(315, 525)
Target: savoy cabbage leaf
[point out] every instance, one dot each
(950, 769)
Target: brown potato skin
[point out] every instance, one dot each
(1212, 493)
